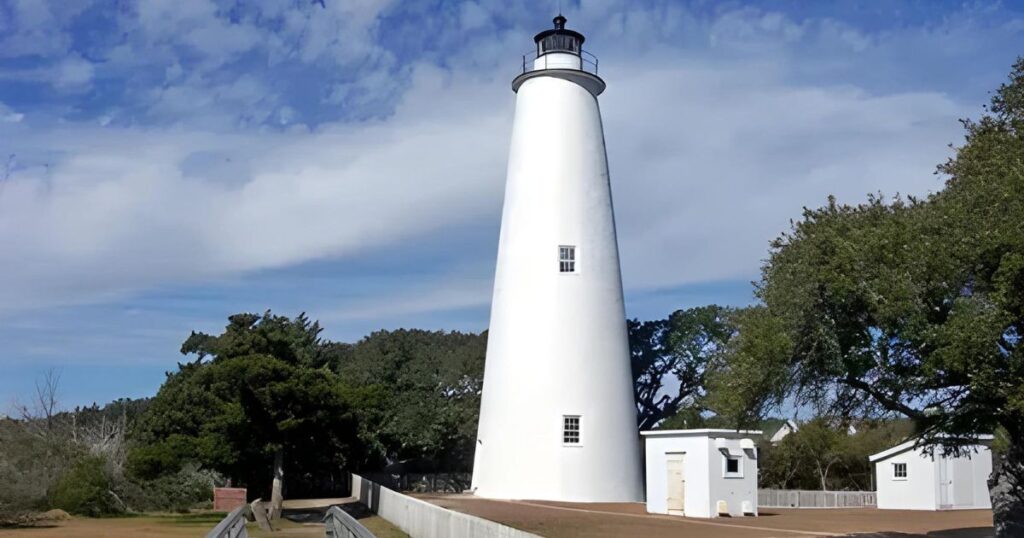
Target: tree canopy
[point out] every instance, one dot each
(254, 392)
(428, 388)
(906, 306)
(669, 358)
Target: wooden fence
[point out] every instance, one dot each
(232, 526)
(339, 524)
(798, 498)
(420, 519)
(435, 482)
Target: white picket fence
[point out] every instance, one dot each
(420, 519)
(800, 498)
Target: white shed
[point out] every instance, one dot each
(701, 473)
(909, 479)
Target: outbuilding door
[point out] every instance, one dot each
(676, 483)
(945, 483)
(963, 482)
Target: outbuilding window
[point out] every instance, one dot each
(566, 259)
(571, 429)
(732, 467)
(899, 471)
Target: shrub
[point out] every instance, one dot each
(178, 492)
(86, 489)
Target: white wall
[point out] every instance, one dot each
(917, 492)
(733, 490)
(421, 519)
(695, 469)
(557, 343)
(703, 471)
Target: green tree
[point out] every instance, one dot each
(256, 401)
(427, 388)
(910, 307)
(669, 359)
(823, 454)
(86, 489)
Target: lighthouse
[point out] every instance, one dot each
(557, 415)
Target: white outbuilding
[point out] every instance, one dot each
(910, 479)
(701, 473)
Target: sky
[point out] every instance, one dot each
(167, 163)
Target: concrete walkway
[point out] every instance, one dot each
(607, 520)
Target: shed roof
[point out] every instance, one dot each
(908, 445)
(708, 432)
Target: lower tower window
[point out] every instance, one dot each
(571, 429)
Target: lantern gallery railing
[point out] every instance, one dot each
(584, 61)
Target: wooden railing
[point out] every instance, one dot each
(341, 525)
(232, 526)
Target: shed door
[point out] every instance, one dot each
(945, 483)
(676, 483)
(963, 482)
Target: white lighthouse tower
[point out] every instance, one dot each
(557, 418)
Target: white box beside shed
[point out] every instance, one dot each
(701, 473)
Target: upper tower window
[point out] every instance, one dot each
(559, 39)
(566, 259)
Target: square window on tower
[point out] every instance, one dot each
(571, 429)
(566, 259)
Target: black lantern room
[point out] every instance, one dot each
(559, 39)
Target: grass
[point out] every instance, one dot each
(143, 526)
(381, 528)
(175, 526)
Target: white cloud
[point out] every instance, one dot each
(472, 16)
(73, 73)
(710, 155)
(455, 293)
(117, 213)
(8, 115)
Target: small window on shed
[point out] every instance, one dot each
(732, 467)
(899, 471)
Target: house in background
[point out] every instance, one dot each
(787, 428)
(791, 426)
(701, 473)
(909, 479)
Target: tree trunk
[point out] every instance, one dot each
(276, 497)
(1006, 486)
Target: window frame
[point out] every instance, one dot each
(725, 466)
(578, 431)
(896, 466)
(573, 260)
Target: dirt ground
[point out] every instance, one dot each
(572, 520)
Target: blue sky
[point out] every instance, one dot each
(164, 164)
